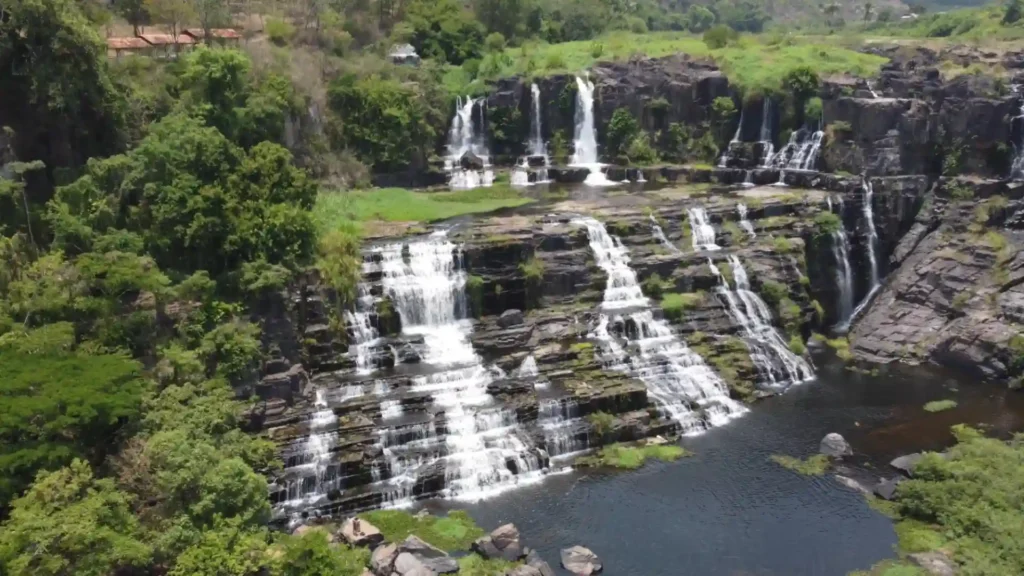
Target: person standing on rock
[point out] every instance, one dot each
(355, 527)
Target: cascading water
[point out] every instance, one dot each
(701, 229)
(428, 290)
(677, 379)
(585, 137)
(536, 147)
(744, 222)
(463, 140)
(528, 369)
(1017, 168)
(723, 162)
(871, 89)
(771, 355)
(660, 235)
(768, 147)
(565, 431)
(872, 242)
(311, 478)
(844, 277)
(364, 335)
(800, 153)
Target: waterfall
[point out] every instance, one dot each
(585, 137)
(364, 335)
(723, 162)
(744, 223)
(660, 235)
(701, 230)
(485, 451)
(844, 277)
(869, 220)
(800, 153)
(528, 369)
(565, 431)
(463, 139)
(871, 89)
(1017, 168)
(682, 385)
(766, 132)
(769, 352)
(536, 148)
(311, 474)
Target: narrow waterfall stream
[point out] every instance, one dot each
(780, 367)
(585, 137)
(872, 246)
(659, 234)
(745, 224)
(428, 290)
(536, 148)
(677, 379)
(312, 477)
(466, 143)
(363, 334)
(844, 277)
(701, 229)
(768, 146)
(723, 162)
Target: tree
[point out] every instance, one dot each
(444, 29)
(622, 129)
(868, 11)
(211, 13)
(55, 407)
(71, 523)
(508, 17)
(699, 19)
(134, 11)
(172, 13)
(312, 555)
(225, 550)
(719, 36)
(1014, 9)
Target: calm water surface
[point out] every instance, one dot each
(728, 510)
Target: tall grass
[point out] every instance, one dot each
(754, 63)
(400, 205)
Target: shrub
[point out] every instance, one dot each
(796, 345)
(495, 42)
(719, 36)
(675, 304)
(813, 466)
(802, 82)
(782, 245)
(774, 292)
(827, 224)
(640, 150)
(533, 273)
(622, 129)
(475, 289)
(596, 50)
(280, 32)
(654, 286)
(959, 191)
(602, 423)
(812, 109)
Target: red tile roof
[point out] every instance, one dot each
(225, 33)
(165, 39)
(126, 43)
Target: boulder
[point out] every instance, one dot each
(934, 563)
(835, 446)
(407, 564)
(485, 547)
(886, 489)
(367, 534)
(503, 542)
(537, 161)
(510, 318)
(581, 561)
(534, 560)
(853, 484)
(471, 161)
(427, 556)
(906, 463)
(526, 570)
(383, 559)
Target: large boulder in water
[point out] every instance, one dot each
(907, 463)
(581, 561)
(534, 561)
(835, 446)
(471, 161)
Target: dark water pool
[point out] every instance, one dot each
(729, 510)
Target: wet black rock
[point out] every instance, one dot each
(510, 318)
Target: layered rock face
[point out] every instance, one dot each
(480, 358)
(955, 298)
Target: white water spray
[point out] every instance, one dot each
(585, 137)
(701, 229)
(463, 139)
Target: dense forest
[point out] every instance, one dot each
(150, 208)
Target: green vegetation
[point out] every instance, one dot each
(533, 275)
(631, 457)
(453, 532)
(401, 205)
(475, 289)
(812, 466)
(476, 565)
(940, 405)
(602, 423)
(841, 346)
(827, 224)
(796, 345)
(676, 304)
(654, 286)
(965, 505)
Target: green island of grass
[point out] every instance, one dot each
(401, 205)
(631, 457)
(813, 466)
(940, 405)
(453, 532)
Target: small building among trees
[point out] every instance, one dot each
(218, 36)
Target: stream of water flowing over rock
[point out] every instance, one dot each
(312, 476)
(779, 366)
(466, 139)
(800, 153)
(745, 224)
(585, 136)
(844, 276)
(701, 229)
(635, 342)
(768, 146)
(872, 246)
(659, 234)
(535, 147)
(727, 155)
(484, 451)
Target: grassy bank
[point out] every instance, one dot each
(631, 457)
(754, 63)
(401, 205)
